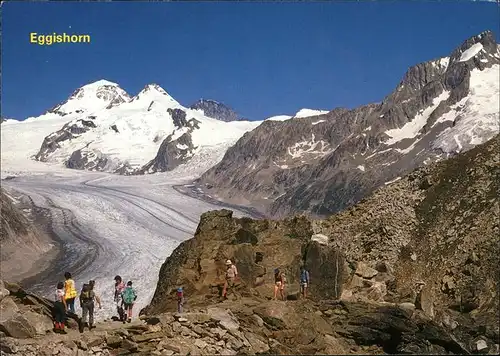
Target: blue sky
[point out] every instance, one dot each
(262, 59)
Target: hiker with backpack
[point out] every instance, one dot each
(119, 287)
(69, 292)
(59, 309)
(97, 298)
(230, 277)
(129, 296)
(87, 298)
(304, 281)
(279, 284)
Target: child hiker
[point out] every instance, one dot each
(59, 309)
(180, 299)
(304, 281)
(129, 296)
(119, 287)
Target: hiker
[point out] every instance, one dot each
(119, 287)
(304, 281)
(129, 296)
(279, 283)
(97, 298)
(87, 297)
(59, 309)
(180, 299)
(69, 292)
(231, 275)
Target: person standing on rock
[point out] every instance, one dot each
(231, 275)
(59, 309)
(129, 296)
(69, 292)
(119, 287)
(279, 284)
(97, 298)
(180, 299)
(304, 281)
(87, 297)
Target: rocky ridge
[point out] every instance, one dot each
(325, 163)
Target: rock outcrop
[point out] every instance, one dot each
(69, 131)
(326, 163)
(216, 110)
(425, 247)
(174, 151)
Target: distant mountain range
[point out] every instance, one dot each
(315, 161)
(324, 163)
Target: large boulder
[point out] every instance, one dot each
(26, 325)
(225, 318)
(3, 291)
(327, 270)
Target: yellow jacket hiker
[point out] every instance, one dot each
(70, 292)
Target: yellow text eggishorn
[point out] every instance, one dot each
(50, 39)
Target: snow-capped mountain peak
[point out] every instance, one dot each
(153, 93)
(92, 97)
(478, 48)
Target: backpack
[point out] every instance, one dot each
(87, 295)
(128, 295)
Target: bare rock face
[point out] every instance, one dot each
(18, 230)
(326, 163)
(174, 151)
(69, 131)
(216, 110)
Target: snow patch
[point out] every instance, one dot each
(319, 148)
(392, 181)
(309, 112)
(477, 119)
(318, 122)
(471, 52)
(361, 168)
(413, 127)
(443, 62)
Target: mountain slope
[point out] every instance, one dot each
(429, 240)
(100, 127)
(324, 163)
(18, 230)
(21, 139)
